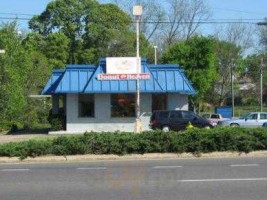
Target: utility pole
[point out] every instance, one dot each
(155, 47)
(137, 12)
(261, 68)
(232, 89)
(261, 83)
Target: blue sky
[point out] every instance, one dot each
(221, 9)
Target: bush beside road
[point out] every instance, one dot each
(195, 141)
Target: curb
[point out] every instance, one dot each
(150, 156)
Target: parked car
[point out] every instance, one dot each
(214, 118)
(177, 120)
(254, 119)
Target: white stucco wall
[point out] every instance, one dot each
(102, 122)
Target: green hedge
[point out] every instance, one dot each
(192, 141)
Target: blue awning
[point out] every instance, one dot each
(83, 79)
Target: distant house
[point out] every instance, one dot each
(98, 104)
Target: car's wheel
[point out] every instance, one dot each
(165, 129)
(234, 125)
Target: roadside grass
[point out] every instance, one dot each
(195, 141)
(240, 110)
(243, 110)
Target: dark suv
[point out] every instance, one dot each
(177, 120)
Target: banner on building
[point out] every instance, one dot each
(123, 65)
(106, 77)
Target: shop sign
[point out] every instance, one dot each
(108, 77)
(123, 65)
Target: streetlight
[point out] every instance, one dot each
(137, 12)
(155, 47)
(261, 67)
(2, 51)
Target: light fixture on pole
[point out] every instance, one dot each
(155, 47)
(2, 51)
(137, 12)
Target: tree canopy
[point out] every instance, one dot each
(23, 71)
(196, 56)
(92, 30)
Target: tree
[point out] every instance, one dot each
(253, 67)
(103, 25)
(23, 71)
(33, 42)
(88, 25)
(196, 56)
(56, 48)
(181, 15)
(12, 75)
(38, 69)
(66, 16)
(263, 36)
(153, 11)
(239, 34)
(227, 55)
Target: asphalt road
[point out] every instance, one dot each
(200, 179)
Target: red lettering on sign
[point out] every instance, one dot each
(106, 77)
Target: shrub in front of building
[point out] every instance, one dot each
(194, 141)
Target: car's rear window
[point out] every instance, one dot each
(163, 114)
(214, 116)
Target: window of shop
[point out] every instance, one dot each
(159, 102)
(123, 105)
(86, 105)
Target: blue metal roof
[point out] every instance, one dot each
(53, 82)
(75, 78)
(83, 79)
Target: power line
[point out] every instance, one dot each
(3, 13)
(15, 18)
(229, 19)
(238, 11)
(199, 22)
(248, 21)
(214, 8)
(216, 19)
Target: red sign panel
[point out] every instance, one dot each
(108, 77)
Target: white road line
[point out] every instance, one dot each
(166, 167)
(245, 165)
(91, 168)
(224, 180)
(14, 170)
